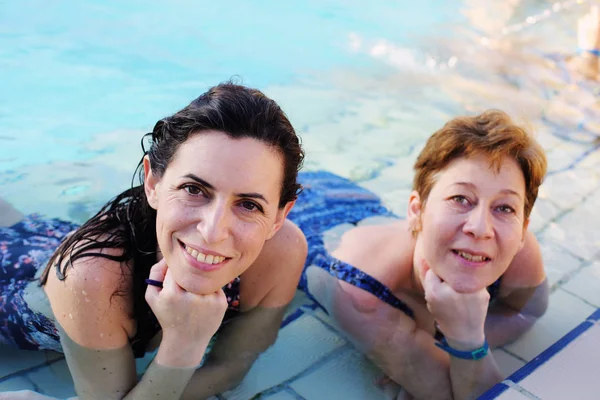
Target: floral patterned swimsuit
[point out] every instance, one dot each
(25, 249)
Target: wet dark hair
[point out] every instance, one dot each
(128, 223)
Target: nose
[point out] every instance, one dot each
(215, 223)
(479, 223)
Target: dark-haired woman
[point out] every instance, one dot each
(201, 245)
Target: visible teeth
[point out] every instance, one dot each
(471, 257)
(204, 258)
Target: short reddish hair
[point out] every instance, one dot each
(491, 133)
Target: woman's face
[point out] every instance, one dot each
(217, 204)
(473, 222)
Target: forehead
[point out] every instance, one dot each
(478, 170)
(229, 164)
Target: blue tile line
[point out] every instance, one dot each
(289, 390)
(550, 352)
(494, 392)
(577, 160)
(292, 317)
(22, 373)
(595, 316)
(538, 361)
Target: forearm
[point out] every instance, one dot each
(210, 380)
(510, 317)
(471, 378)
(504, 325)
(110, 374)
(161, 382)
(416, 364)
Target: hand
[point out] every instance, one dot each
(187, 319)
(460, 316)
(588, 30)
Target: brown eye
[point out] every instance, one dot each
(506, 209)
(250, 206)
(192, 189)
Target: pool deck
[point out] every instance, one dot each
(311, 360)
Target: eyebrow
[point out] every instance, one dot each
(473, 187)
(251, 195)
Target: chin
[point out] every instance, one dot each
(466, 285)
(198, 285)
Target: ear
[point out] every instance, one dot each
(150, 184)
(415, 208)
(282, 214)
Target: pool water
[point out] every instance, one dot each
(363, 85)
(82, 82)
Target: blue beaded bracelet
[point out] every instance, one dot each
(595, 52)
(476, 354)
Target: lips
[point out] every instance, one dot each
(204, 256)
(472, 256)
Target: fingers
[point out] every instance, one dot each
(169, 283)
(159, 270)
(157, 273)
(431, 282)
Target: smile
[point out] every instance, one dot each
(204, 258)
(471, 257)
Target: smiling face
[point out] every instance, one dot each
(473, 222)
(217, 204)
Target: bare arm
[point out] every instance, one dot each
(523, 296)
(95, 327)
(238, 345)
(277, 271)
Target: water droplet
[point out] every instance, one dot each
(83, 292)
(70, 315)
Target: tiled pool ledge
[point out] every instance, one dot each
(569, 369)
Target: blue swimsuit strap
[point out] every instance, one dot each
(362, 280)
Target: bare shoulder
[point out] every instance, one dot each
(527, 268)
(272, 279)
(93, 304)
(373, 236)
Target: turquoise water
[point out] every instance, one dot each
(82, 81)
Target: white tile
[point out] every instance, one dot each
(586, 284)
(580, 183)
(506, 362)
(280, 396)
(542, 213)
(512, 394)
(564, 313)
(574, 371)
(299, 345)
(558, 262)
(578, 229)
(349, 376)
(16, 383)
(13, 360)
(54, 380)
(300, 299)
